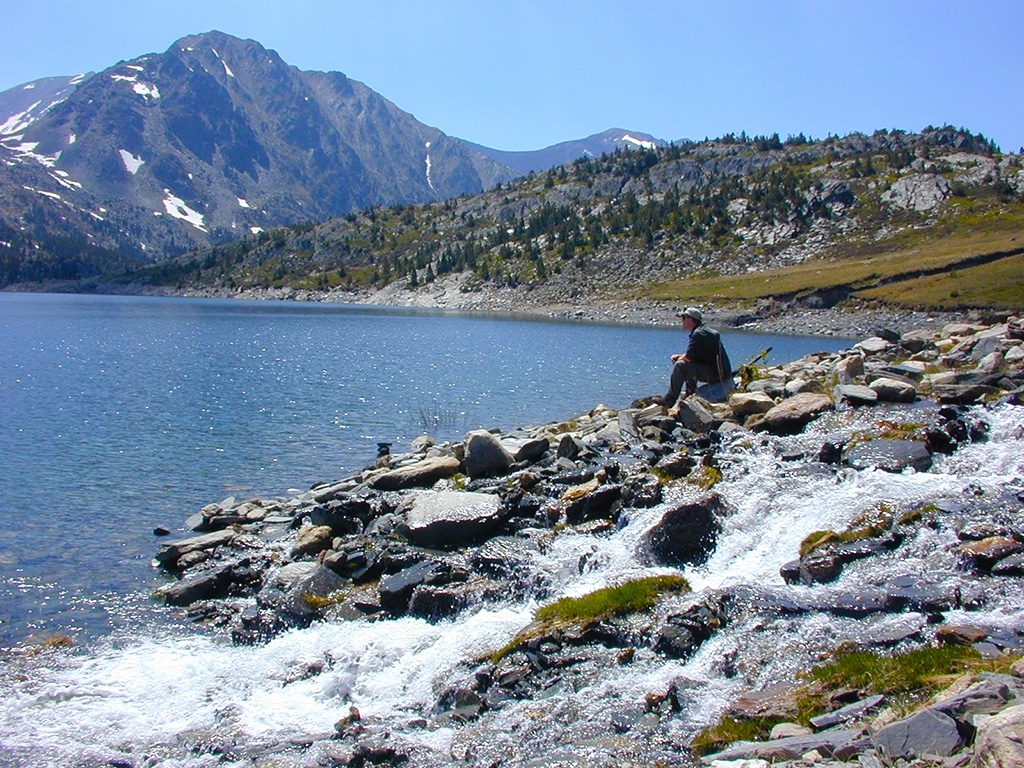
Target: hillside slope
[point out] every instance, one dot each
(736, 220)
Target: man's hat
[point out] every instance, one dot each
(692, 313)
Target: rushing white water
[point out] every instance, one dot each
(193, 700)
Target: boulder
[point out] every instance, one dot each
(395, 590)
(422, 473)
(686, 534)
(298, 589)
(207, 584)
(448, 519)
(312, 540)
(892, 390)
(601, 503)
(855, 394)
(794, 413)
(485, 455)
(695, 415)
(927, 733)
(889, 455)
(744, 404)
(849, 369)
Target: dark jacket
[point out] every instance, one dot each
(706, 348)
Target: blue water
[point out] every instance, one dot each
(121, 414)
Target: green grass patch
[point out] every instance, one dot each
(905, 679)
(999, 285)
(631, 597)
(862, 266)
(728, 730)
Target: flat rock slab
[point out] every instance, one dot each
(889, 455)
(794, 413)
(450, 518)
(422, 473)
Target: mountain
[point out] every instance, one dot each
(214, 138)
(567, 151)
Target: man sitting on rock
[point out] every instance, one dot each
(705, 360)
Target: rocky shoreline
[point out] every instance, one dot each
(446, 528)
(850, 319)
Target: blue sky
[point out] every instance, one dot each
(524, 74)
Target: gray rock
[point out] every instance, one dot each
(791, 748)
(695, 415)
(794, 413)
(889, 455)
(297, 588)
(204, 585)
(985, 697)
(686, 534)
(485, 455)
(847, 713)
(855, 394)
(450, 518)
(170, 553)
(422, 473)
(927, 733)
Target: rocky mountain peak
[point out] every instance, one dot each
(212, 139)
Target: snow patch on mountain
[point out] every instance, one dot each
(177, 208)
(638, 142)
(131, 162)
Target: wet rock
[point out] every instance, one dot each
(982, 555)
(447, 519)
(169, 554)
(601, 503)
(208, 584)
(641, 491)
(427, 472)
(344, 514)
(312, 540)
(889, 455)
(397, 589)
(686, 534)
(299, 590)
(682, 633)
(678, 464)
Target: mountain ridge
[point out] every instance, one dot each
(213, 138)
